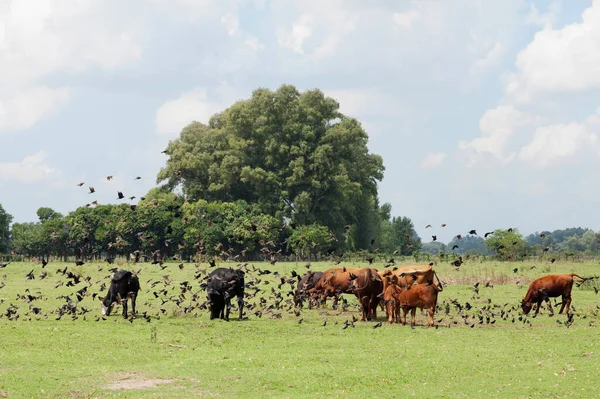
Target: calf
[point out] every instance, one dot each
(547, 287)
(367, 287)
(307, 282)
(391, 299)
(222, 285)
(423, 296)
(406, 276)
(124, 285)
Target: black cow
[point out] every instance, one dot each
(124, 285)
(222, 285)
(308, 281)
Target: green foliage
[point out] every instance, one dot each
(399, 235)
(291, 154)
(5, 221)
(45, 214)
(310, 239)
(508, 245)
(468, 244)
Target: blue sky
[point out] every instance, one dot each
(486, 113)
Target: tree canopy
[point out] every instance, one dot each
(5, 221)
(292, 154)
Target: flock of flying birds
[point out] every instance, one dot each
(267, 293)
(120, 195)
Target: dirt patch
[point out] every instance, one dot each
(3, 394)
(135, 381)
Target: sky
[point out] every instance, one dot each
(486, 113)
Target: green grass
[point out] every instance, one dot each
(280, 358)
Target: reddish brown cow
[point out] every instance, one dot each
(391, 299)
(406, 276)
(367, 287)
(423, 296)
(546, 287)
(335, 281)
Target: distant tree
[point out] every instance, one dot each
(470, 244)
(433, 248)
(5, 221)
(45, 214)
(507, 245)
(292, 154)
(564, 234)
(307, 241)
(399, 234)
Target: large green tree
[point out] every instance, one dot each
(5, 221)
(292, 154)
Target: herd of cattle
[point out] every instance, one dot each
(404, 288)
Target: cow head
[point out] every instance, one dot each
(107, 306)
(526, 306)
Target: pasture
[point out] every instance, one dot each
(482, 346)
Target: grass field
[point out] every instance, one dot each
(178, 354)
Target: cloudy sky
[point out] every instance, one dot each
(486, 113)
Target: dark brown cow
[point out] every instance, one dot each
(307, 282)
(546, 287)
(423, 296)
(367, 286)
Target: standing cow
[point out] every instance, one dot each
(222, 285)
(423, 296)
(367, 286)
(547, 287)
(124, 285)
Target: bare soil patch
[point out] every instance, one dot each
(135, 380)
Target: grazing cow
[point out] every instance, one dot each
(546, 287)
(367, 287)
(222, 285)
(124, 285)
(423, 296)
(307, 282)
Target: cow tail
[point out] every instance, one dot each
(578, 276)
(441, 288)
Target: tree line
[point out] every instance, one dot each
(283, 173)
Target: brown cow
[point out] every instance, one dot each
(391, 299)
(335, 281)
(367, 287)
(423, 296)
(546, 287)
(408, 275)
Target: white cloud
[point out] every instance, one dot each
(405, 19)
(556, 61)
(190, 10)
(31, 169)
(557, 142)
(433, 160)
(364, 102)
(559, 60)
(497, 127)
(295, 37)
(490, 60)
(195, 105)
(547, 19)
(27, 108)
(56, 36)
(254, 44)
(231, 23)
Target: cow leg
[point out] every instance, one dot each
(397, 311)
(124, 303)
(404, 313)
(390, 311)
(227, 308)
(550, 306)
(240, 302)
(133, 298)
(413, 313)
(537, 308)
(431, 314)
(566, 300)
